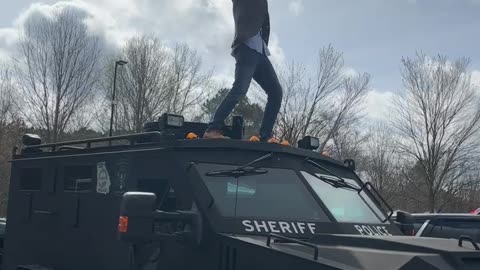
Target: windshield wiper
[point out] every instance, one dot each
(243, 170)
(336, 183)
(367, 187)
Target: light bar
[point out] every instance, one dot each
(350, 163)
(31, 140)
(309, 143)
(172, 121)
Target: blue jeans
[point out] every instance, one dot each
(251, 64)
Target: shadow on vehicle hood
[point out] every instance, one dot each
(375, 253)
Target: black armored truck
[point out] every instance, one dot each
(165, 199)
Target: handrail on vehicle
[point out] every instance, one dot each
(69, 144)
(293, 240)
(469, 239)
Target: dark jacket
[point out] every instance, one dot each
(250, 17)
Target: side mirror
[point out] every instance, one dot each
(405, 221)
(140, 221)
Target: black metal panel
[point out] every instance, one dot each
(26, 204)
(61, 228)
(72, 211)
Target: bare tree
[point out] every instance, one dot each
(6, 106)
(323, 104)
(348, 143)
(57, 70)
(438, 117)
(383, 165)
(302, 111)
(328, 79)
(467, 198)
(7, 99)
(155, 80)
(187, 83)
(344, 110)
(142, 83)
(292, 115)
(11, 127)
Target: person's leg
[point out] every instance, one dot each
(266, 77)
(246, 63)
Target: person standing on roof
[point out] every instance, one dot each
(250, 50)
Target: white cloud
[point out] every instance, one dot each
(277, 54)
(378, 105)
(476, 80)
(296, 7)
(124, 9)
(476, 77)
(350, 72)
(4, 58)
(98, 21)
(8, 38)
(205, 25)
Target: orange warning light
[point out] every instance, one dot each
(191, 136)
(254, 139)
(285, 143)
(123, 224)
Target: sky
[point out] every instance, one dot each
(373, 34)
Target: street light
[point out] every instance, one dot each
(117, 63)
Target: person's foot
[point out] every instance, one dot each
(255, 138)
(267, 140)
(214, 134)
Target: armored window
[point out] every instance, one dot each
(277, 194)
(78, 178)
(345, 205)
(31, 179)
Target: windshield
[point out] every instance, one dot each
(278, 194)
(346, 205)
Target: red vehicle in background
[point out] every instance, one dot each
(475, 212)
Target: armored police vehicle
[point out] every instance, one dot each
(166, 200)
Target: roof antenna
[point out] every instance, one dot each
(117, 63)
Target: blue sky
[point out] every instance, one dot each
(373, 34)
